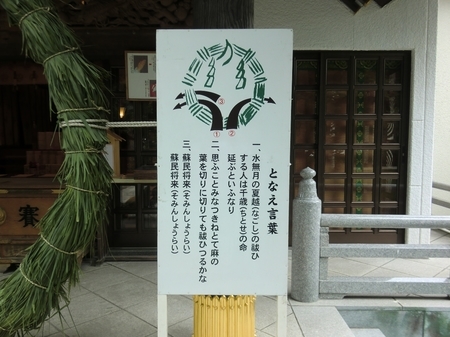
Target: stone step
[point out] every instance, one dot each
(321, 322)
(368, 333)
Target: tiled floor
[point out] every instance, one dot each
(120, 298)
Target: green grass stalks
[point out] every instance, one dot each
(42, 285)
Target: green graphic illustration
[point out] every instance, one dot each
(203, 104)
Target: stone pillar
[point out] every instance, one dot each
(307, 210)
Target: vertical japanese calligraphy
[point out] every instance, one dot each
(256, 167)
(174, 185)
(186, 202)
(203, 233)
(215, 206)
(243, 205)
(217, 202)
(231, 183)
(272, 187)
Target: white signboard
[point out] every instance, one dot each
(224, 102)
(140, 75)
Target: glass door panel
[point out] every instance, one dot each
(365, 102)
(391, 132)
(337, 71)
(362, 210)
(362, 190)
(334, 190)
(149, 222)
(363, 161)
(149, 197)
(334, 210)
(387, 210)
(134, 215)
(304, 158)
(366, 71)
(393, 71)
(364, 132)
(307, 72)
(389, 189)
(335, 131)
(392, 102)
(389, 161)
(336, 102)
(335, 161)
(305, 132)
(128, 196)
(306, 102)
(149, 161)
(127, 222)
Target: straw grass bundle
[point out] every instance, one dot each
(42, 284)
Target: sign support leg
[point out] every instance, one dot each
(282, 316)
(162, 316)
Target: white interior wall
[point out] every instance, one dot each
(401, 25)
(442, 111)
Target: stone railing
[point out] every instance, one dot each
(438, 201)
(311, 250)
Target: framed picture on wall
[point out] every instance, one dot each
(140, 69)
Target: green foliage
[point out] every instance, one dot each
(41, 286)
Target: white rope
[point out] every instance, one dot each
(79, 122)
(131, 124)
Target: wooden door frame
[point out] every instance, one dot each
(321, 57)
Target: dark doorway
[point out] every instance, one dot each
(350, 124)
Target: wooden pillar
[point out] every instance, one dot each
(223, 13)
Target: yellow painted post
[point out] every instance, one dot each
(224, 316)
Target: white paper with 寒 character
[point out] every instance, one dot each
(224, 107)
